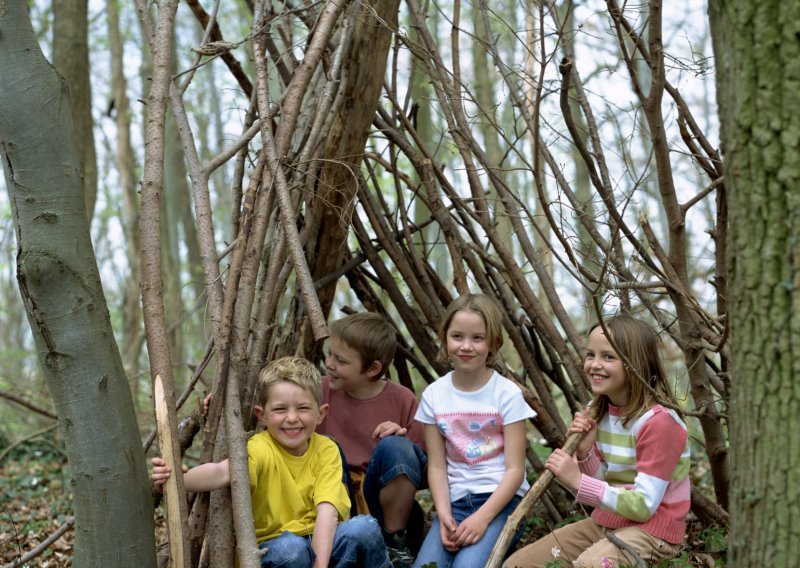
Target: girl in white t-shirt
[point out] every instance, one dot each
(475, 434)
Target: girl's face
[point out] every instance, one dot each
(605, 369)
(467, 344)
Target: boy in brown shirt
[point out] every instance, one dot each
(372, 419)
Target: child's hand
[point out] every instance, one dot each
(447, 529)
(207, 403)
(584, 423)
(470, 531)
(565, 469)
(388, 429)
(161, 472)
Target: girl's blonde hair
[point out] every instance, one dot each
(638, 346)
(485, 307)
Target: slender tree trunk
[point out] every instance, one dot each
(60, 285)
(132, 330)
(71, 58)
(757, 52)
(158, 348)
(175, 185)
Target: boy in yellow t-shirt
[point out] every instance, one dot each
(295, 478)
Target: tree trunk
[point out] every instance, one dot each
(66, 308)
(132, 330)
(71, 59)
(345, 142)
(757, 51)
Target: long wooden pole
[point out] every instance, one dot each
(173, 493)
(528, 501)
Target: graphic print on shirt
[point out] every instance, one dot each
(472, 437)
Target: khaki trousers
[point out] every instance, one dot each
(584, 544)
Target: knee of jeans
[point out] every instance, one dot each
(288, 548)
(363, 528)
(393, 450)
(393, 444)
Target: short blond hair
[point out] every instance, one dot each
(295, 370)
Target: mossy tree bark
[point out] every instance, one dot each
(757, 52)
(66, 307)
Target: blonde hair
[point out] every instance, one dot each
(638, 346)
(295, 370)
(485, 307)
(370, 335)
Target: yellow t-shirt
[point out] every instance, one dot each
(286, 489)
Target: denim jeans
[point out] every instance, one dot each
(391, 457)
(474, 555)
(357, 543)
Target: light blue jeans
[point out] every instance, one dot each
(357, 543)
(474, 555)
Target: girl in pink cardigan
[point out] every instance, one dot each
(632, 465)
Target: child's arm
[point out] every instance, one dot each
(440, 488)
(472, 529)
(584, 423)
(205, 477)
(324, 531)
(661, 457)
(564, 466)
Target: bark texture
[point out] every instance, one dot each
(66, 308)
(757, 49)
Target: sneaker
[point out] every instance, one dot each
(399, 554)
(400, 557)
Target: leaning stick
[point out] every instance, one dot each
(171, 493)
(528, 501)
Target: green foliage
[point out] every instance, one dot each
(714, 539)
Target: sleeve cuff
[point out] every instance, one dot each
(590, 464)
(590, 491)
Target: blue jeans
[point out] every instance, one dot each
(392, 456)
(474, 555)
(358, 542)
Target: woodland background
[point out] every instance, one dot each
(194, 189)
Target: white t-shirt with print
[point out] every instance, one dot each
(472, 425)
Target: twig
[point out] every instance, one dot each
(614, 539)
(36, 434)
(42, 546)
(29, 405)
(188, 390)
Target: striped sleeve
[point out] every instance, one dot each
(642, 462)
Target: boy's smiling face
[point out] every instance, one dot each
(290, 414)
(344, 364)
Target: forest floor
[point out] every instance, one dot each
(35, 502)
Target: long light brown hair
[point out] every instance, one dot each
(485, 307)
(638, 347)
